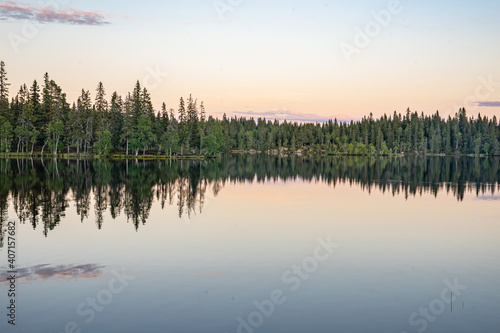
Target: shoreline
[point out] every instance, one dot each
(284, 154)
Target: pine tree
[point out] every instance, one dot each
(85, 120)
(101, 106)
(46, 107)
(25, 119)
(170, 139)
(60, 110)
(116, 120)
(137, 103)
(146, 105)
(202, 125)
(192, 122)
(4, 92)
(161, 125)
(495, 149)
(128, 122)
(182, 127)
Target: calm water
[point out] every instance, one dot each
(253, 244)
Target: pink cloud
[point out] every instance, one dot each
(494, 104)
(62, 272)
(44, 14)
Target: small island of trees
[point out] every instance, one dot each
(40, 121)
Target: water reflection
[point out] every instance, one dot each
(41, 191)
(60, 272)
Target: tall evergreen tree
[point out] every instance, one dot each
(202, 125)
(129, 124)
(4, 92)
(192, 123)
(101, 106)
(182, 127)
(116, 120)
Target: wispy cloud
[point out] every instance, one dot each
(489, 198)
(292, 116)
(14, 12)
(489, 104)
(64, 272)
(11, 10)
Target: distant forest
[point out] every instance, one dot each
(40, 120)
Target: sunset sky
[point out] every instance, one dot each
(300, 60)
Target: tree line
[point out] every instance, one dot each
(40, 119)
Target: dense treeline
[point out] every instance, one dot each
(41, 191)
(39, 118)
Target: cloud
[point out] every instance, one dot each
(15, 12)
(489, 198)
(292, 116)
(64, 272)
(489, 104)
(45, 14)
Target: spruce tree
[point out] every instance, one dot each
(116, 120)
(182, 127)
(4, 92)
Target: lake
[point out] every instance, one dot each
(252, 243)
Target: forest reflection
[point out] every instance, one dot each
(41, 191)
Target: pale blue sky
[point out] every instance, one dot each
(280, 58)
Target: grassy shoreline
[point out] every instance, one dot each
(153, 157)
(105, 157)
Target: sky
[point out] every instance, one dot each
(301, 60)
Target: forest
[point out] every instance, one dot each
(39, 120)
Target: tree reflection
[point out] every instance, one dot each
(40, 191)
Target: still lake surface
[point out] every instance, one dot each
(253, 244)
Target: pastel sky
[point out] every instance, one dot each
(283, 59)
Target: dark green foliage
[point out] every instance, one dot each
(48, 121)
(4, 92)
